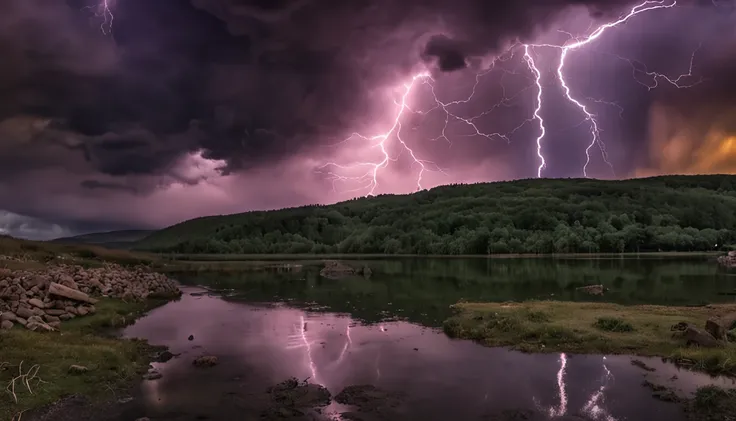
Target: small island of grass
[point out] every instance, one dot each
(600, 328)
(596, 328)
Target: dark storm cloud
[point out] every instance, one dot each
(100, 128)
(264, 80)
(95, 184)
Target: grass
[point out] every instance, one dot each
(36, 254)
(712, 403)
(613, 324)
(592, 328)
(113, 363)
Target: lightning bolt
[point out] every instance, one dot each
(308, 345)
(561, 389)
(542, 130)
(103, 10)
(369, 179)
(581, 42)
(593, 406)
(348, 342)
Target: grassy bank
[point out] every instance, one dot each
(42, 360)
(712, 404)
(554, 326)
(37, 364)
(25, 254)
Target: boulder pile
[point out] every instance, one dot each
(728, 260)
(41, 300)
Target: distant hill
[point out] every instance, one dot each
(669, 213)
(112, 239)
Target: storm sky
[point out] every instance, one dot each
(182, 108)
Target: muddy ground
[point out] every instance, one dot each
(292, 400)
(289, 400)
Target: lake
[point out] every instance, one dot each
(265, 327)
(422, 289)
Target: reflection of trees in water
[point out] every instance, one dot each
(422, 289)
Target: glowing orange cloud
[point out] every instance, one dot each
(692, 143)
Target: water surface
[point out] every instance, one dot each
(442, 379)
(422, 289)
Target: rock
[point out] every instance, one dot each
(719, 326)
(164, 357)
(6, 325)
(62, 292)
(35, 302)
(152, 375)
(77, 369)
(592, 289)
(334, 270)
(205, 361)
(55, 312)
(24, 312)
(729, 260)
(367, 272)
(51, 319)
(36, 326)
(191, 337)
(694, 336)
(72, 294)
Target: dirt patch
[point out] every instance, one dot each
(77, 407)
(370, 403)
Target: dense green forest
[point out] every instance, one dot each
(670, 213)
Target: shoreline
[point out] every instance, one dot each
(602, 328)
(68, 346)
(164, 257)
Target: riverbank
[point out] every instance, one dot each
(601, 328)
(208, 257)
(38, 369)
(59, 315)
(677, 334)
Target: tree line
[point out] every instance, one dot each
(671, 213)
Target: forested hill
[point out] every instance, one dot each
(111, 239)
(670, 213)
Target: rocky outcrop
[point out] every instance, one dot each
(720, 326)
(336, 270)
(715, 334)
(41, 300)
(592, 289)
(728, 260)
(695, 336)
